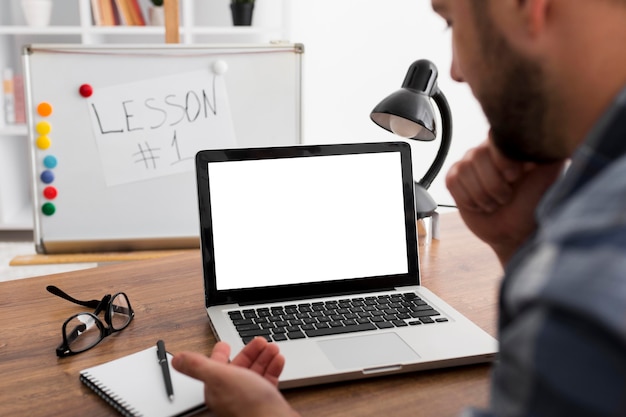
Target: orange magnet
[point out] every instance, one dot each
(44, 109)
(43, 128)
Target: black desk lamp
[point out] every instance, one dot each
(409, 113)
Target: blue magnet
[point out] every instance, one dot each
(47, 176)
(50, 162)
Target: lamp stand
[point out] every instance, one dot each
(425, 205)
(428, 229)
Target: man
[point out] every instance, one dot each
(551, 78)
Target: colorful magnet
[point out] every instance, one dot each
(43, 128)
(85, 90)
(44, 109)
(50, 192)
(50, 161)
(48, 209)
(47, 176)
(43, 142)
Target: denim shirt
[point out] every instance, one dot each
(562, 317)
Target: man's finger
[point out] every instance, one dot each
(250, 352)
(193, 364)
(221, 352)
(511, 170)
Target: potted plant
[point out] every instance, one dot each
(37, 12)
(242, 12)
(156, 13)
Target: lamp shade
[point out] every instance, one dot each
(408, 112)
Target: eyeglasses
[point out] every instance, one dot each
(83, 331)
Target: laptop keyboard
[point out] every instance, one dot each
(297, 321)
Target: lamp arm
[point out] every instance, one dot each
(446, 139)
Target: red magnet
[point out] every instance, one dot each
(85, 90)
(50, 192)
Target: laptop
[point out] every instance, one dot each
(314, 247)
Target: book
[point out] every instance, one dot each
(96, 12)
(107, 13)
(117, 16)
(126, 13)
(8, 90)
(19, 99)
(134, 386)
(136, 13)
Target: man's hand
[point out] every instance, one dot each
(497, 197)
(259, 356)
(245, 387)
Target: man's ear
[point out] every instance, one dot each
(523, 21)
(535, 14)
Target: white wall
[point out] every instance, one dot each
(356, 53)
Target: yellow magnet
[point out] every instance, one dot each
(43, 142)
(43, 128)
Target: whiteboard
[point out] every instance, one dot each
(113, 132)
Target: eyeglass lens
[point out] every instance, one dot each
(85, 330)
(82, 332)
(120, 312)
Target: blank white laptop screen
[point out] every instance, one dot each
(307, 219)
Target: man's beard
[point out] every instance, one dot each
(514, 98)
(516, 108)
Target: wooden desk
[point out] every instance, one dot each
(167, 295)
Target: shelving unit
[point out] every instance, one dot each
(201, 22)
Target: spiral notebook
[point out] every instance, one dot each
(134, 386)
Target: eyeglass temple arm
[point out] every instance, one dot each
(60, 293)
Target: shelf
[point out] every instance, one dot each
(13, 130)
(133, 30)
(22, 220)
(48, 30)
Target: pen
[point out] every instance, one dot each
(162, 356)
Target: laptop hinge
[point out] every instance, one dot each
(308, 297)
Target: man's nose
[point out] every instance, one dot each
(455, 71)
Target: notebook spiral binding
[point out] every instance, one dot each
(117, 403)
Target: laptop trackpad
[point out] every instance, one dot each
(367, 351)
